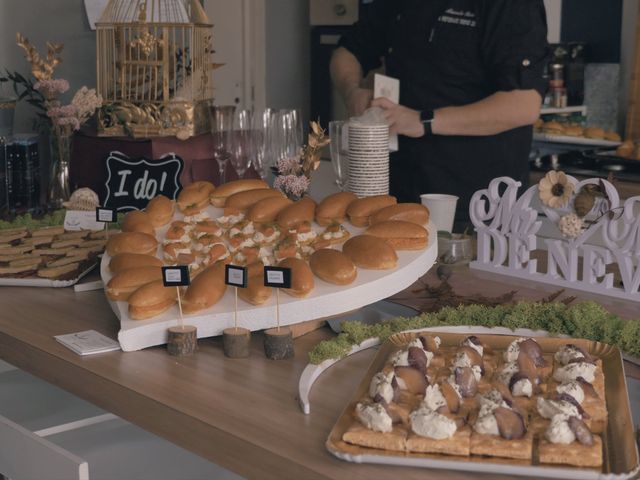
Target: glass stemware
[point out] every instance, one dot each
(264, 129)
(221, 118)
(243, 142)
(339, 146)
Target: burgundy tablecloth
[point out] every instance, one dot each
(90, 152)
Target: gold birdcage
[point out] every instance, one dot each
(154, 60)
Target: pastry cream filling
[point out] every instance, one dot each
(433, 398)
(551, 408)
(400, 359)
(305, 237)
(477, 348)
(183, 239)
(559, 430)
(427, 423)
(574, 370)
(247, 242)
(246, 230)
(507, 372)
(513, 350)
(522, 388)
(572, 388)
(230, 219)
(330, 235)
(261, 237)
(381, 385)
(198, 217)
(487, 423)
(374, 417)
(567, 353)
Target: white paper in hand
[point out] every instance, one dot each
(389, 88)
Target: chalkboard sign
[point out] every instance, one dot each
(176, 276)
(132, 183)
(277, 277)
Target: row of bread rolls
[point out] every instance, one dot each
(629, 150)
(554, 127)
(393, 225)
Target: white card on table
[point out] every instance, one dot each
(81, 220)
(88, 342)
(389, 88)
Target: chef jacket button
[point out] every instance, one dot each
(526, 62)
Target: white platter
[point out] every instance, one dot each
(326, 300)
(545, 137)
(43, 282)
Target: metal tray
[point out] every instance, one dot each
(45, 282)
(620, 449)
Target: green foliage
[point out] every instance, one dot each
(24, 88)
(584, 320)
(54, 218)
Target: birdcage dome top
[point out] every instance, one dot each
(154, 11)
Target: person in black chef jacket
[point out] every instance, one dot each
(471, 74)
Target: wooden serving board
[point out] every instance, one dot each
(325, 300)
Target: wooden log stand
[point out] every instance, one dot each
(236, 342)
(278, 343)
(183, 341)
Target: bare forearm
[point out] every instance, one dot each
(346, 72)
(495, 114)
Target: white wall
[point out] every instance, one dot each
(554, 15)
(627, 54)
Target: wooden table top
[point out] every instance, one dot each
(241, 414)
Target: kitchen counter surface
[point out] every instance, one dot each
(240, 414)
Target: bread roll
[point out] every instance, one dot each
(626, 149)
(574, 130)
(594, 132)
(301, 277)
(360, 210)
(334, 208)
(205, 290)
(137, 221)
(219, 196)
(370, 252)
(125, 282)
(612, 136)
(333, 266)
(255, 293)
(132, 242)
(195, 197)
(553, 128)
(242, 201)
(400, 235)
(160, 210)
(151, 300)
(267, 210)
(301, 211)
(408, 212)
(124, 261)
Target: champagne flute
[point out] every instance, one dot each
(243, 141)
(221, 118)
(264, 129)
(339, 147)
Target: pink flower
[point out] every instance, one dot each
(292, 185)
(288, 166)
(62, 111)
(51, 88)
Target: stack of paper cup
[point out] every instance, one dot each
(368, 158)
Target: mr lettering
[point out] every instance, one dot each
(132, 183)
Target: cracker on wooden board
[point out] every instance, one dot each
(53, 272)
(459, 444)
(575, 454)
(496, 446)
(47, 231)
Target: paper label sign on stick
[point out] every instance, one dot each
(177, 276)
(235, 276)
(106, 215)
(277, 277)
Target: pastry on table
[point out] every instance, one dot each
(626, 150)
(595, 133)
(333, 208)
(267, 210)
(160, 210)
(569, 441)
(556, 404)
(434, 432)
(375, 429)
(243, 227)
(370, 252)
(360, 210)
(333, 267)
(400, 234)
(243, 201)
(219, 196)
(267, 234)
(287, 248)
(585, 394)
(194, 197)
(553, 128)
(335, 234)
(137, 221)
(304, 232)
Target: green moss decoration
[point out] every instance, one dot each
(583, 320)
(49, 220)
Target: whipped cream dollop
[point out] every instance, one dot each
(567, 353)
(260, 237)
(461, 359)
(230, 219)
(507, 371)
(572, 388)
(513, 350)
(381, 385)
(433, 397)
(572, 371)
(478, 348)
(400, 358)
(551, 408)
(559, 430)
(492, 398)
(307, 236)
(428, 423)
(374, 416)
(198, 217)
(522, 388)
(487, 424)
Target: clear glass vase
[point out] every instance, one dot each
(59, 190)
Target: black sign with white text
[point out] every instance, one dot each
(106, 215)
(235, 276)
(132, 183)
(277, 277)
(177, 276)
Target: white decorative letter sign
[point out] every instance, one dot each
(508, 227)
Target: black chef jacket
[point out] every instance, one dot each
(452, 53)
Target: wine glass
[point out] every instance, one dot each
(221, 118)
(243, 142)
(264, 140)
(339, 146)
